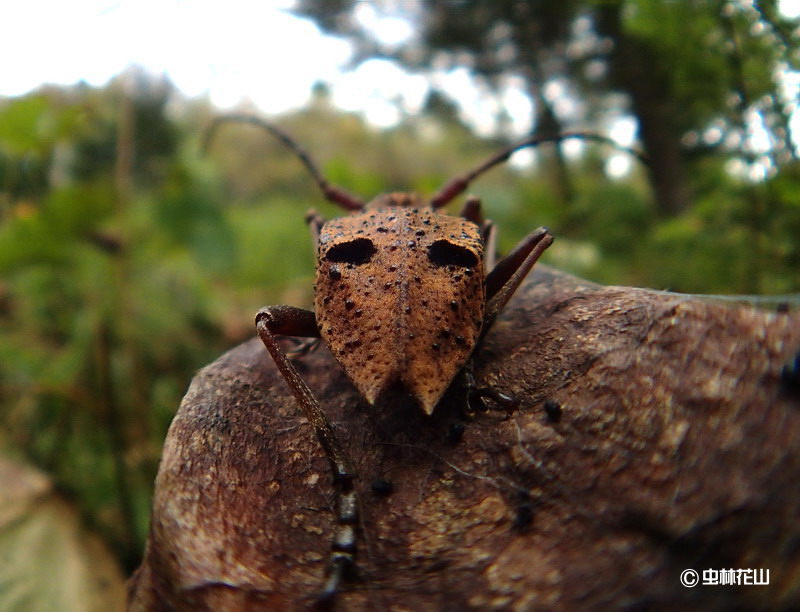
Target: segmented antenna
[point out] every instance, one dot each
(459, 184)
(332, 193)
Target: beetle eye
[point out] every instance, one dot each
(358, 251)
(446, 253)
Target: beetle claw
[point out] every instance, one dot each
(302, 348)
(477, 396)
(475, 403)
(342, 570)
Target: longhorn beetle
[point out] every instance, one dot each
(380, 272)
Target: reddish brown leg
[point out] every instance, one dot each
(315, 222)
(504, 279)
(472, 212)
(501, 283)
(476, 395)
(290, 321)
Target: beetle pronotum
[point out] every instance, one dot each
(380, 272)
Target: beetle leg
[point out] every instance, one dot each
(315, 222)
(302, 348)
(472, 212)
(501, 283)
(506, 276)
(476, 395)
(489, 232)
(287, 320)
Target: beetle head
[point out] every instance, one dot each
(400, 297)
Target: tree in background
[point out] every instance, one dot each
(706, 82)
(697, 76)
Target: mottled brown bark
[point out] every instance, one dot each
(677, 447)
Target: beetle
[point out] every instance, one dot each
(381, 272)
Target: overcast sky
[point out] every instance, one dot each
(235, 50)
(231, 50)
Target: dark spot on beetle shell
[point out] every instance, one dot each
(420, 232)
(353, 343)
(353, 252)
(435, 346)
(393, 268)
(460, 340)
(444, 333)
(453, 305)
(334, 273)
(383, 230)
(358, 312)
(349, 304)
(407, 309)
(446, 253)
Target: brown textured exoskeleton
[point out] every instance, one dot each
(381, 272)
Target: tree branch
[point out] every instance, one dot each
(653, 435)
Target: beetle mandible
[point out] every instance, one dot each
(381, 272)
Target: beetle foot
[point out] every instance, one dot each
(477, 395)
(342, 569)
(302, 348)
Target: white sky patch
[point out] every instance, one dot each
(231, 51)
(791, 93)
(380, 89)
(789, 8)
(517, 105)
(623, 131)
(479, 106)
(389, 29)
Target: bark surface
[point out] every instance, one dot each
(677, 447)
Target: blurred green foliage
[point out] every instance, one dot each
(128, 259)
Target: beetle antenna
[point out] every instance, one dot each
(460, 183)
(332, 193)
